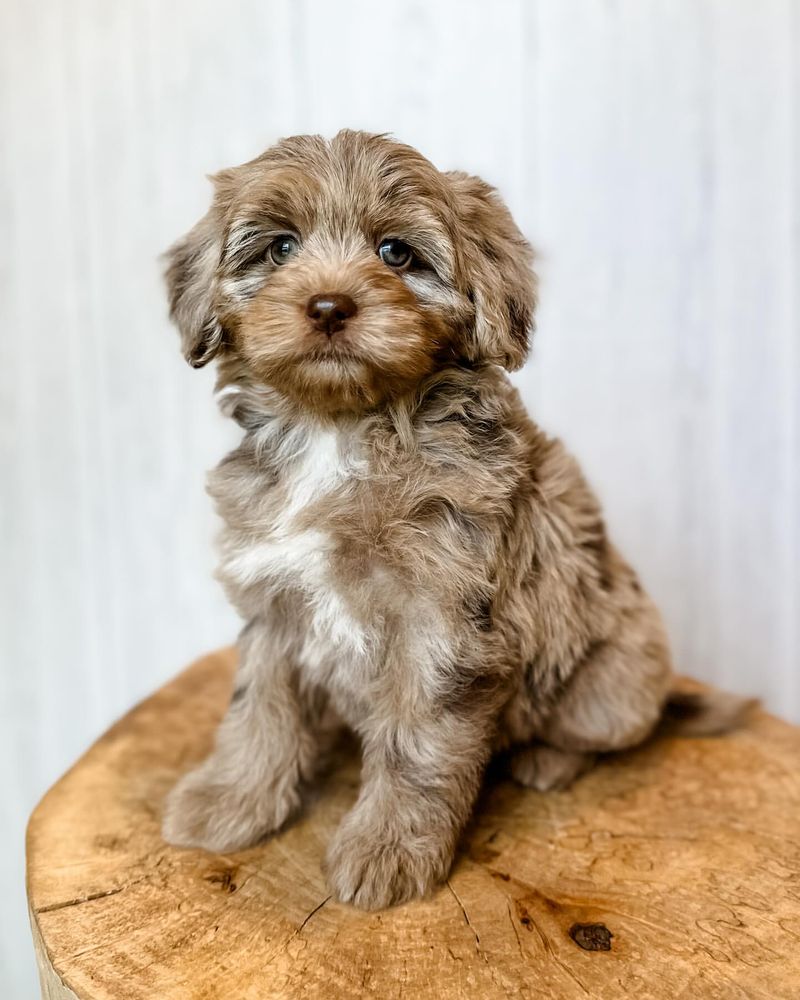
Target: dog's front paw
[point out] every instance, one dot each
(201, 811)
(376, 870)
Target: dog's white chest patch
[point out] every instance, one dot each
(318, 469)
(285, 555)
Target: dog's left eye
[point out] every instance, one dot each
(396, 254)
(282, 248)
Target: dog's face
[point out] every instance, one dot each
(342, 273)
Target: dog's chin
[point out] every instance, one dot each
(330, 382)
(337, 380)
(333, 357)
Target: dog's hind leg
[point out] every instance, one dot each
(614, 700)
(547, 769)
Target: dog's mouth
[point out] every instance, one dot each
(334, 352)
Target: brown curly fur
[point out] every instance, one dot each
(410, 552)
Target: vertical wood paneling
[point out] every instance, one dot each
(753, 383)
(649, 149)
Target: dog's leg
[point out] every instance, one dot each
(419, 782)
(250, 784)
(547, 769)
(614, 700)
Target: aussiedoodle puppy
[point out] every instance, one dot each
(409, 551)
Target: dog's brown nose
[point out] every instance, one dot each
(330, 311)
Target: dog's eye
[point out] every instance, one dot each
(396, 254)
(282, 248)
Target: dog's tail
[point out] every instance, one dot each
(705, 713)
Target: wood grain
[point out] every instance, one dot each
(670, 871)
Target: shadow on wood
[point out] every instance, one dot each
(670, 871)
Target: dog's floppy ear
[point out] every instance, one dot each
(498, 262)
(191, 269)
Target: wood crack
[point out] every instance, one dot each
(51, 907)
(310, 915)
(464, 913)
(296, 931)
(514, 928)
(481, 953)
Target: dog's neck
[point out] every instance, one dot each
(455, 392)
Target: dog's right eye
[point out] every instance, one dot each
(282, 248)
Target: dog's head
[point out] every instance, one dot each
(344, 272)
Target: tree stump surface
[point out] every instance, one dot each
(671, 871)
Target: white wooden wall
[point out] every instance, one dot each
(648, 147)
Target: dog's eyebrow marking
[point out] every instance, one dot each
(245, 241)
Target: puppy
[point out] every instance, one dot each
(409, 551)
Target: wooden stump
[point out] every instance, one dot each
(672, 871)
